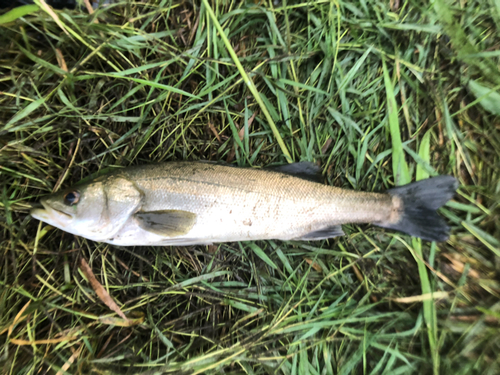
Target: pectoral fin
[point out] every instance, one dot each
(168, 223)
(323, 234)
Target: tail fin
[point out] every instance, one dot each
(419, 202)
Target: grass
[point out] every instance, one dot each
(377, 93)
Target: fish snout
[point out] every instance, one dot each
(51, 215)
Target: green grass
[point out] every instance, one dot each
(377, 96)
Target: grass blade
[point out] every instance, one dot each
(429, 307)
(399, 166)
(18, 12)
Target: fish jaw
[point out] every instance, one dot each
(52, 216)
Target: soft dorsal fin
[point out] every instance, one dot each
(304, 169)
(168, 223)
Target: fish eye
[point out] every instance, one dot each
(72, 198)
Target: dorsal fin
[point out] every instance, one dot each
(304, 169)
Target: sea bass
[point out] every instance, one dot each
(189, 203)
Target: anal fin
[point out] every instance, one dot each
(323, 234)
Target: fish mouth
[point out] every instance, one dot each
(50, 215)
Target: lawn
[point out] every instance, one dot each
(376, 93)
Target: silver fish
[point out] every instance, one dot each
(188, 203)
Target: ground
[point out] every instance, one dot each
(376, 93)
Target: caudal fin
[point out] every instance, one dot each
(418, 204)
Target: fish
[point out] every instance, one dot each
(201, 203)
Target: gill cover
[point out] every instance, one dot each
(122, 200)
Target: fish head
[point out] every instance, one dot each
(78, 210)
(96, 210)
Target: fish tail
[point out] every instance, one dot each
(415, 208)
